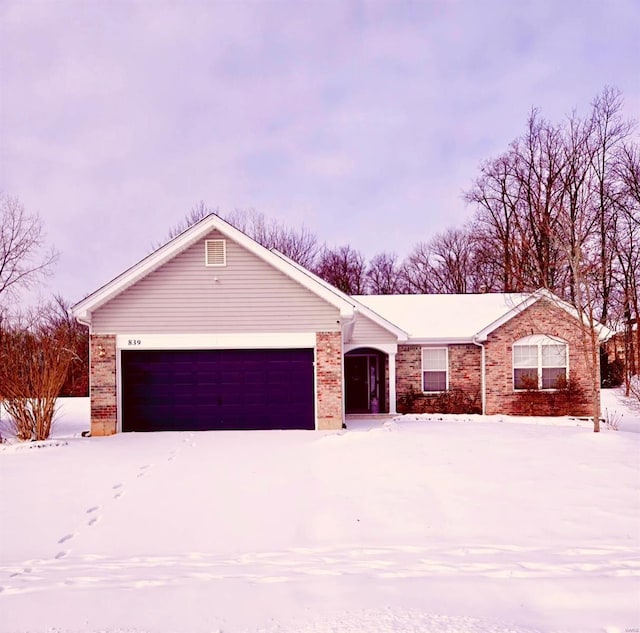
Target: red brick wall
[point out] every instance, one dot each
(408, 370)
(464, 381)
(465, 367)
(543, 317)
(329, 380)
(104, 417)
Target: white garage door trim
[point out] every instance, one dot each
(250, 340)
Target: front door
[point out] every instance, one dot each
(357, 384)
(362, 378)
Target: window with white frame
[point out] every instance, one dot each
(540, 362)
(434, 369)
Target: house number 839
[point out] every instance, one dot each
(134, 341)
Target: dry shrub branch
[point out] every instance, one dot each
(35, 357)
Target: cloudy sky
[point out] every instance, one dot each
(362, 120)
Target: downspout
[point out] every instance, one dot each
(87, 324)
(347, 333)
(483, 382)
(347, 328)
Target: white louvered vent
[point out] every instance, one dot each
(215, 252)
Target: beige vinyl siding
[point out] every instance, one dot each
(185, 296)
(367, 332)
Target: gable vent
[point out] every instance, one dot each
(215, 252)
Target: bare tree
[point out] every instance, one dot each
(495, 194)
(300, 245)
(384, 275)
(628, 170)
(417, 270)
(344, 268)
(24, 260)
(453, 262)
(539, 163)
(610, 132)
(444, 264)
(627, 249)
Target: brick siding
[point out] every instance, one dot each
(465, 371)
(465, 381)
(329, 380)
(104, 403)
(543, 317)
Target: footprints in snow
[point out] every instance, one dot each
(118, 490)
(65, 538)
(95, 518)
(71, 535)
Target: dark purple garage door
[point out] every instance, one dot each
(202, 390)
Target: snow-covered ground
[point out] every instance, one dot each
(449, 525)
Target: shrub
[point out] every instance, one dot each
(566, 397)
(34, 364)
(613, 373)
(450, 401)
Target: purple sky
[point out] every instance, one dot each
(362, 120)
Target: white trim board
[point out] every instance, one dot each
(251, 340)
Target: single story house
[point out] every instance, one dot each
(214, 331)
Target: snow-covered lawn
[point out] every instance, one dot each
(452, 525)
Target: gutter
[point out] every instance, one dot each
(79, 320)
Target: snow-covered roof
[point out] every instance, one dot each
(444, 317)
(460, 318)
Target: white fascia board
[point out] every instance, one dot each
(82, 310)
(232, 340)
(461, 340)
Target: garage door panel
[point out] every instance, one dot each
(217, 389)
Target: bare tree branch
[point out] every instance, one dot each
(24, 261)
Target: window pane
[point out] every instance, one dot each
(435, 381)
(553, 377)
(434, 359)
(554, 355)
(525, 355)
(525, 378)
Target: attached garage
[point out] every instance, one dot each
(221, 389)
(214, 331)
